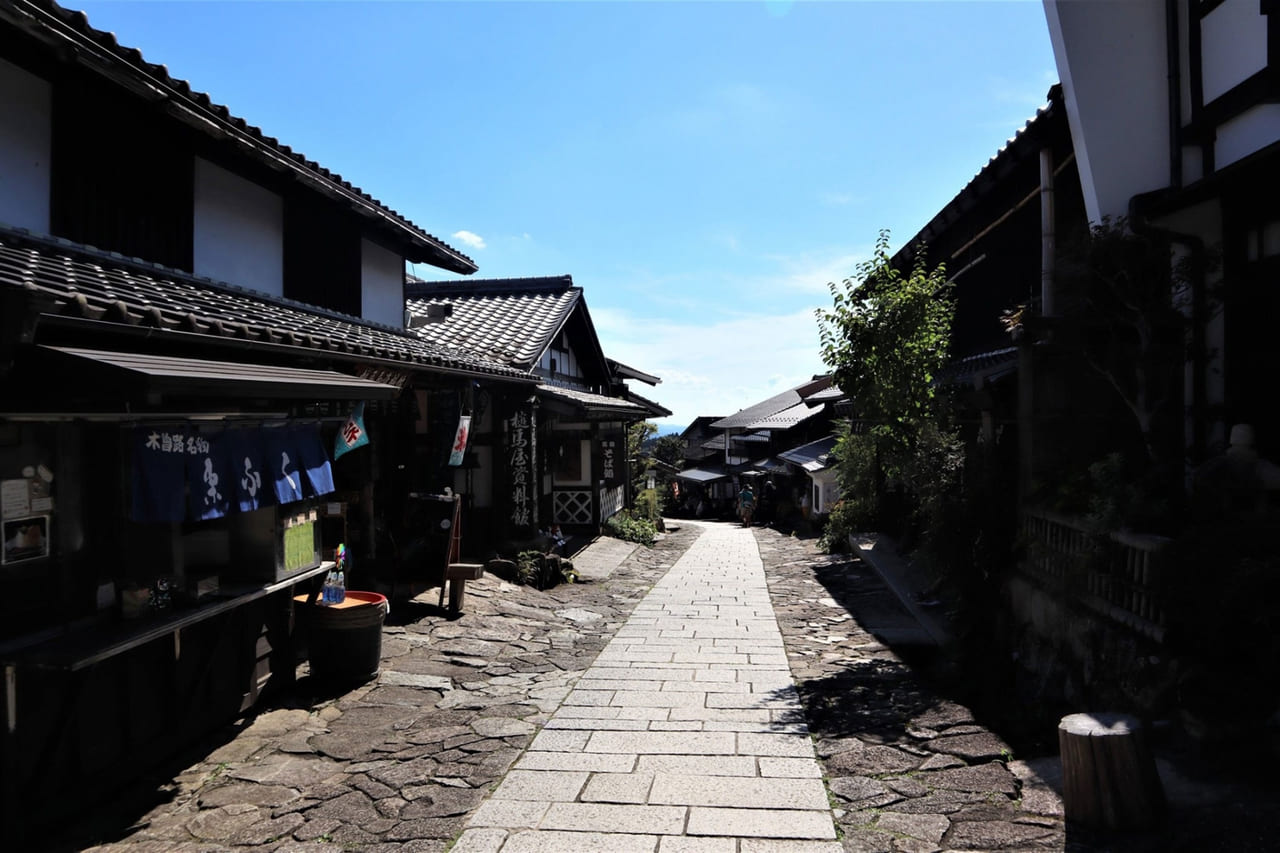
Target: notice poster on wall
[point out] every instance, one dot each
(25, 539)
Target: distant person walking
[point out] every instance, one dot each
(746, 504)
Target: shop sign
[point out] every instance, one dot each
(520, 464)
(236, 470)
(352, 434)
(609, 461)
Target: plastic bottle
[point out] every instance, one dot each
(340, 588)
(326, 595)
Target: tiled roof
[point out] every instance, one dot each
(626, 371)
(772, 406)
(85, 283)
(68, 29)
(593, 403)
(701, 475)
(812, 456)
(1025, 142)
(987, 365)
(511, 320)
(655, 410)
(787, 418)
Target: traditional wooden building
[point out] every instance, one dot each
(195, 323)
(558, 455)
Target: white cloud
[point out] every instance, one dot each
(714, 368)
(472, 239)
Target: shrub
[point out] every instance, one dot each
(627, 527)
(543, 571)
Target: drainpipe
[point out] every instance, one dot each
(1173, 58)
(1047, 235)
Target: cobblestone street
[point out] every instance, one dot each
(408, 762)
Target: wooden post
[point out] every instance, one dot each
(1109, 778)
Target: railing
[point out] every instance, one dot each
(1115, 575)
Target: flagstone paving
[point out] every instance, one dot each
(721, 691)
(698, 678)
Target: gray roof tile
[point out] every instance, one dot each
(84, 282)
(511, 320)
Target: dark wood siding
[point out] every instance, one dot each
(122, 174)
(321, 256)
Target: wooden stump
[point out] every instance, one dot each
(1109, 778)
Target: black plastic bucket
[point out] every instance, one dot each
(345, 640)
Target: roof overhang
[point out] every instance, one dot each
(592, 405)
(186, 377)
(701, 475)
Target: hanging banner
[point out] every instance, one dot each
(460, 441)
(159, 474)
(248, 462)
(352, 434)
(313, 460)
(208, 479)
(283, 470)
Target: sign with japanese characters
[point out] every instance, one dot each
(352, 434)
(610, 460)
(182, 473)
(520, 450)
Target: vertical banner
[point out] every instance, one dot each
(460, 441)
(283, 468)
(314, 461)
(352, 434)
(209, 489)
(248, 462)
(159, 474)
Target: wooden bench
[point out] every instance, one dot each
(456, 576)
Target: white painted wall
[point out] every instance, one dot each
(381, 285)
(238, 231)
(1233, 45)
(1246, 133)
(1111, 61)
(26, 148)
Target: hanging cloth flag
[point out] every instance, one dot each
(250, 484)
(209, 487)
(460, 441)
(352, 434)
(283, 468)
(313, 459)
(159, 474)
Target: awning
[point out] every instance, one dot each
(813, 456)
(701, 475)
(593, 404)
(189, 376)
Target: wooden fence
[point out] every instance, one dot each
(1117, 576)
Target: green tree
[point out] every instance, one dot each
(886, 339)
(670, 449)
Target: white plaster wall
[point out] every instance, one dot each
(1111, 61)
(1246, 133)
(381, 285)
(1233, 46)
(238, 231)
(26, 139)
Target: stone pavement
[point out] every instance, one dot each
(684, 735)
(606, 724)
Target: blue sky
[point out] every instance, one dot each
(702, 170)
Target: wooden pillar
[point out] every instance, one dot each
(1109, 778)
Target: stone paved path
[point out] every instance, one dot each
(686, 733)
(606, 724)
